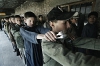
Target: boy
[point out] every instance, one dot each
(6, 25)
(72, 29)
(60, 53)
(17, 36)
(90, 30)
(40, 20)
(58, 20)
(11, 26)
(30, 35)
(64, 57)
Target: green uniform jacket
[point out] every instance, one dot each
(10, 34)
(87, 43)
(6, 27)
(18, 38)
(65, 57)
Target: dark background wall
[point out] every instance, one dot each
(46, 5)
(40, 7)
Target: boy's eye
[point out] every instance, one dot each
(30, 20)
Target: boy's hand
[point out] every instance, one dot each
(50, 36)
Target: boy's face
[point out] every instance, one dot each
(18, 21)
(40, 18)
(92, 19)
(13, 20)
(30, 21)
(9, 19)
(6, 20)
(74, 20)
(58, 26)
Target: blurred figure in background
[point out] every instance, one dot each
(2, 22)
(40, 21)
(90, 30)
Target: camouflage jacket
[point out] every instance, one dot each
(87, 43)
(65, 57)
(6, 27)
(18, 38)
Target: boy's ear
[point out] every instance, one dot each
(51, 24)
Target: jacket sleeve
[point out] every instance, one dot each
(42, 30)
(11, 35)
(19, 40)
(87, 43)
(13, 31)
(29, 36)
(65, 57)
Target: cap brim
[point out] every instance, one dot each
(65, 16)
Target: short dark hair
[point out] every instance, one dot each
(6, 18)
(93, 13)
(40, 16)
(12, 16)
(17, 16)
(29, 14)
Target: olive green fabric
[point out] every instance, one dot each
(18, 38)
(48, 61)
(6, 27)
(87, 43)
(65, 57)
(10, 34)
